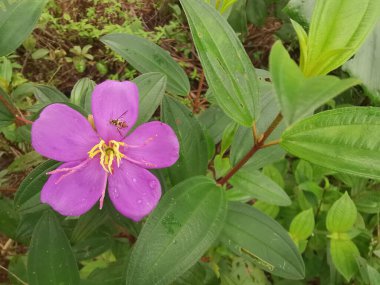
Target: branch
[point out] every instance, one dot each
(259, 145)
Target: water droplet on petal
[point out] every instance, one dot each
(139, 201)
(152, 184)
(134, 180)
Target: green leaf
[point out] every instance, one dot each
(238, 18)
(82, 92)
(193, 151)
(46, 94)
(258, 186)
(184, 225)
(17, 20)
(215, 121)
(302, 226)
(365, 64)
(9, 218)
(344, 254)
(227, 67)
(25, 161)
(342, 215)
(51, 260)
(146, 56)
(332, 39)
(344, 139)
(300, 96)
(151, 92)
(368, 202)
(32, 184)
(300, 11)
(198, 274)
(260, 239)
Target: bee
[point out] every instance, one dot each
(119, 123)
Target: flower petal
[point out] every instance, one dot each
(74, 194)
(133, 190)
(117, 101)
(63, 134)
(152, 145)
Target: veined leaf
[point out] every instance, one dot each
(332, 39)
(345, 140)
(300, 96)
(46, 94)
(259, 186)
(146, 57)
(184, 225)
(344, 254)
(300, 11)
(193, 148)
(260, 239)
(151, 92)
(227, 67)
(17, 20)
(302, 225)
(342, 215)
(82, 93)
(51, 260)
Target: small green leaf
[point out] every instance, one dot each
(344, 140)
(184, 225)
(215, 121)
(151, 92)
(146, 56)
(302, 226)
(9, 218)
(260, 239)
(300, 11)
(46, 94)
(198, 274)
(300, 96)
(258, 186)
(193, 151)
(332, 39)
(51, 260)
(82, 92)
(17, 20)
(342, 215)
(25, 161)
(344, 254)
(227, 67)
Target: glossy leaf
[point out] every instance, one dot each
(81, 93)
(344, 254)
(332, 39)
(344, 139)
(17, 20)
(51, 260)
(342, 215)
(366, 62)
(300, 96)
(259, 186)
(193, 148)
(151, 92)
(302, 226)
(183, 226)
(146, 56)
(260, 239)
(227, 67)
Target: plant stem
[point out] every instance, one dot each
(257, 146)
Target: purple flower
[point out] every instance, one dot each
(110, 153)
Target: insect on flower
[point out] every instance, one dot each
(119, 123)
(100, 159)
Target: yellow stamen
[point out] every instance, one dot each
(108, 153)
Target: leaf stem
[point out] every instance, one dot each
(256, 147)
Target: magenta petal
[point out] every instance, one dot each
(76, 193)
(63, 134)
(134, 191)
(152, 145)
(113, 100)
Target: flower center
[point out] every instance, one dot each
(108, 153)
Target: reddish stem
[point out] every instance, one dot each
(258, 145)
